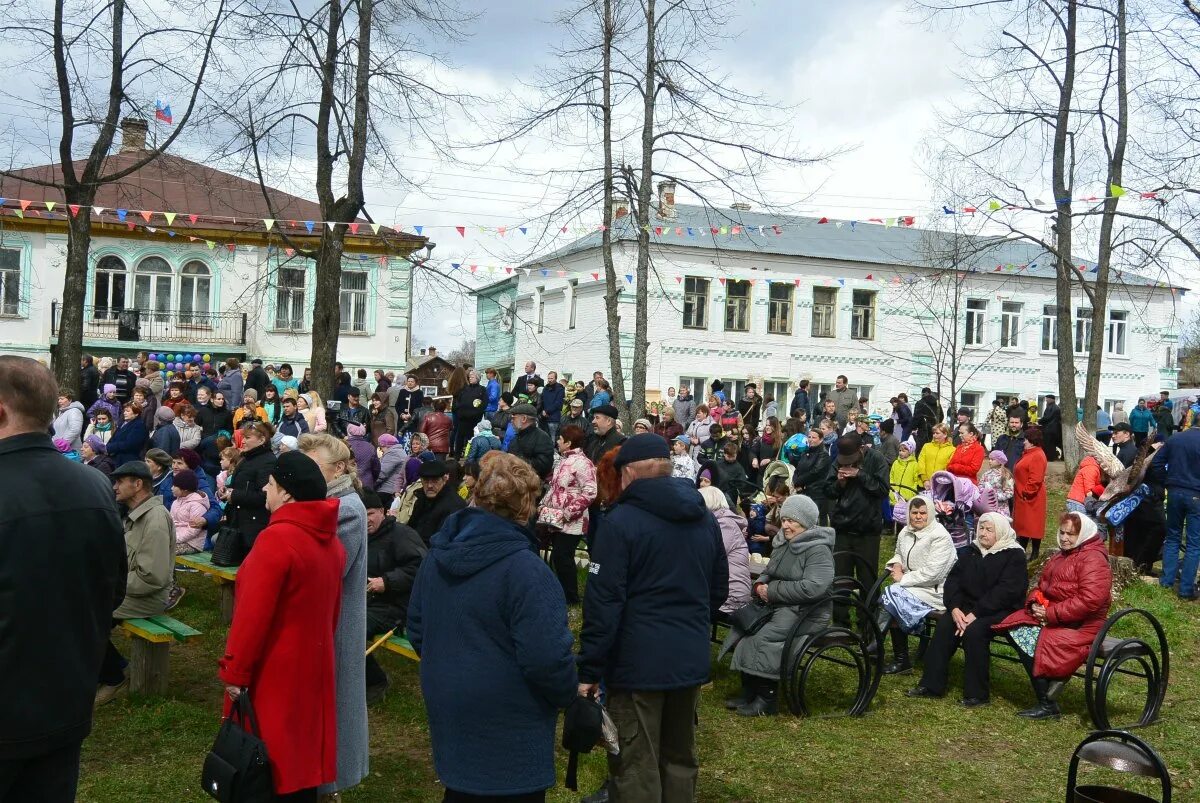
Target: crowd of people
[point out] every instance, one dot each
(382, 510)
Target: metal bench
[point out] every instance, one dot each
(858, 646)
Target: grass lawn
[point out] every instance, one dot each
(144, 749)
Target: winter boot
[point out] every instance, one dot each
(900, 662)
(1046, 708)
(745, 697)
(765, 703)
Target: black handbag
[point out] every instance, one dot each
(237, 769)
(583, 728)
(229, 547)
(750, 618)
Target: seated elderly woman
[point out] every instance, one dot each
(987, 584)
(1055, 630)
(794, 586)
(733, 533)
(924, 557)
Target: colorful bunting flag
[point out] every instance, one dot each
(146, 215)
(74, 209)
(268, 222)
(50, 205)
(462, 230)
(170, 216)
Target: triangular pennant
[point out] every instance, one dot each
(474, 268)
(331, 225)
(121, 213)
(629, 278)
(527, 270)
(737, 229)
(870, 277)
(523, 229)
(353, 228)
(724, 230)
(193, 218)
(268, 222)
(152, 230)
(170, 216)
(1116, 191)
(19, 213)
(690, 232)
(721, 279)
(797, 282)
(192, 239)
(502, 229)
(596, 276)
(308, 224)
(211, 245)
(462, 230)
(908, 220)
(713, 229)
(74, 209)
(50, 205)
(563, 230)
(455, 265)
(231, 246)
(131, 225)
(842, 282)
(97, 210)
(777, 230)
(146, 215)
(678, 279)
(658, 230)
(291, 252)
(823, 220)
(508, 271)
(993, 206)
(375, 228)
(545, 272)
(679, 231)
(24, 205)
(838, 224)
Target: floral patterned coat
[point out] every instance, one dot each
(572, 490)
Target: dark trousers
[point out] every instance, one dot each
(1145, 531)
(975, 642)
(867, 548)
(112, 668)
(452, 796)
(377, 625)
(300, 796)
(657, 731)
(1027, 542)
(464, 430)
(46, 778)
(562, 558)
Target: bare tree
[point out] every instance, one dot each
(105, 60)
(464, 354)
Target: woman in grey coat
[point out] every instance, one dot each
(795, 583)
(350, 638)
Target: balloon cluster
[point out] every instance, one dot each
(176, 362)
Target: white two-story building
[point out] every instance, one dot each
(741, 296)
(183, 262)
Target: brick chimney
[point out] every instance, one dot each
(133, 134)
(666, 199)
(620, 207)
(431, 352)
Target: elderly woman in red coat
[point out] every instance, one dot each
(1061, 617)
(1029, 493)
(280, 645)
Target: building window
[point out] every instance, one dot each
(572, 291)
(864, 392)
(1010, 325)
(779, 314)
(862, 316)
(1117, 320)
(976, 313)
(1110, 405)
(194, 288)
(697, 386)
(969, 400)
(108, 295)
(10, 281)
(816, 397)
(737, 306)
(541, 313)
(289, 299)
(695, 303)
(353, 301)
(824, 310)
(1049, 328)
(734, 389)
(152, 288)
(1083, 330)
(781, 392)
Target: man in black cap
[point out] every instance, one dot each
(62, 571)
(858, 484)
(604, 432)
(1123, 445)
(394, 553)
(926, 413)
(150, 546)
(657, 576)
(1050, 421)
(532, 444)
(352, 412)
(257, 379)
(436, 501)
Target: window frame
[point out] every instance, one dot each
(1082, 330)
(975, 322)
(859, 312)
(739, 305)
(1114, 324)
(157, 308)
(695, 299)
(1010, 325)
(1049, 328)
(296, 295)
(780, 307)
(10, 283)
(357, 298)
(974, 407)
(825, 312)
(196, 315)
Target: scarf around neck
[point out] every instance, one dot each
(341, 486)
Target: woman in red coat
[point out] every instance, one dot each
(1029, 493)
(437, 425)
(1061, 618)
(280, 645)
(968, 457)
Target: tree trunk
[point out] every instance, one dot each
(1068, 402)
(67, 353)
(1116, 168)
(641, 341)
(327, 310)
(612, 298)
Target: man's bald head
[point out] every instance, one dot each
(28, 396)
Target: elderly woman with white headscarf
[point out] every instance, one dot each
(986, 584)
(924, 557)
(1055, 630)
(733, 533)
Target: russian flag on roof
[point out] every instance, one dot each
(162, 113)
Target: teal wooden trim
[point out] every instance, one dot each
(19, 241)
(175, 257)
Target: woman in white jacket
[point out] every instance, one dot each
(924, 557)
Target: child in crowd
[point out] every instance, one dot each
(710, 448)
(994, 475)
(681, 459)
(230, 457)
(764, 516)
(101, 426)
(732, 475)
(190, 504)
(851, 422)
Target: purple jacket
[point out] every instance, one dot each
(733, 534)
(367, 460)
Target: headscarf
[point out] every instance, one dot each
(714, 498)
(1087, 531)
(97, 445)
(1006, 538)
(911, 445)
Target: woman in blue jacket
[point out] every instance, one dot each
(128, 442)
(483, 601)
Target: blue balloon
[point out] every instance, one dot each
(795, 446)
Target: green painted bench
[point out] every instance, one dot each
(401, 646)
(151, 640)
(223, 576)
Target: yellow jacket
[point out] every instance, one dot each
(904, 480)
(934, 457)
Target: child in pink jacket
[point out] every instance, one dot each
(189, 505)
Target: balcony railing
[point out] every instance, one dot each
(158, 326)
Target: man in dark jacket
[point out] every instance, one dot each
(858, 484)
(531, 444)
(436, 501)
(926, 413)
(604, 433)
(122, 377)
(1123, 445)
(469, 404)
(1012, 442)
(1164, 421)
(89, 381)
(394, 553)
(550, 404)
(657, 576)
(1051, 423)
(352, 412)
(576, 417)
(800, 402)
(904, 417)
(62, 571)
(257, 379)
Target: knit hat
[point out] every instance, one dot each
(371, 500)
(290, 442)
(606, 410)
(189, 456)
(643, 446)
(387, 440)
(62, 444)
(480, 428)
(357, 430)
(800, 509)
(97, 445)
(998, 456)
(307, 399)
(186, 480)
(300, 476)
(910, 444)
(251, 392)
(159, 457)
(110, 388)
(643, 422)
(164, 415)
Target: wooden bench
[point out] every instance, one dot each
(151, 640)
(401, 646)
(223, 576)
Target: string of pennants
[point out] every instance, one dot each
(24, 207)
